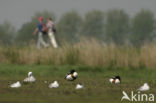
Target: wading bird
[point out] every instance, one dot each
(72, 75)
(115, 80)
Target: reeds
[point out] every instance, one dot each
(85, 52)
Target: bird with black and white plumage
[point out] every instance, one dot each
(115, 80)
(72, 75)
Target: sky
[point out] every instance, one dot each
(19, 12)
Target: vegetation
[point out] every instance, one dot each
(113, 26)
(69, 26)
(97, 87)
(91, 53)
(98, 46)
(7, 33)
(25, 33)
(117, 26)
(143, 27)
(93, 25)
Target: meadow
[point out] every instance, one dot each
(97, 88)
(95, 63)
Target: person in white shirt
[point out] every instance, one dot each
(51, 31)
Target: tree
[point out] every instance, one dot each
(69, 25)
(117, 26)
(7, 33)
(25, 33)
(142, 27)
(93, 24)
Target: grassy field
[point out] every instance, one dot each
(95, 80)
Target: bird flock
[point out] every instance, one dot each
(71, 77)
(30, 79)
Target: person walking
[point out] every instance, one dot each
(51, 32)
(41, 29)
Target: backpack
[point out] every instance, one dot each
(44, 28)
(54, 30)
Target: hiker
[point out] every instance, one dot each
(51, 32)
(41, 29)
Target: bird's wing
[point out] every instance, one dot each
(26, 80)
(33, 79)
(140, 89)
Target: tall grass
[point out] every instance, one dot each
(85, 52)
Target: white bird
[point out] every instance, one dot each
(72, 75)
(125, 96)
(16, 85)
(115, 80)
(30, 78)
(145, 87)
(69, 77)
(55, 84)
(79, 86)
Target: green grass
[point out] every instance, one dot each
(95, 79)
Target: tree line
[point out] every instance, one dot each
(115, 25)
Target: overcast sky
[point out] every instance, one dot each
(20, 11)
